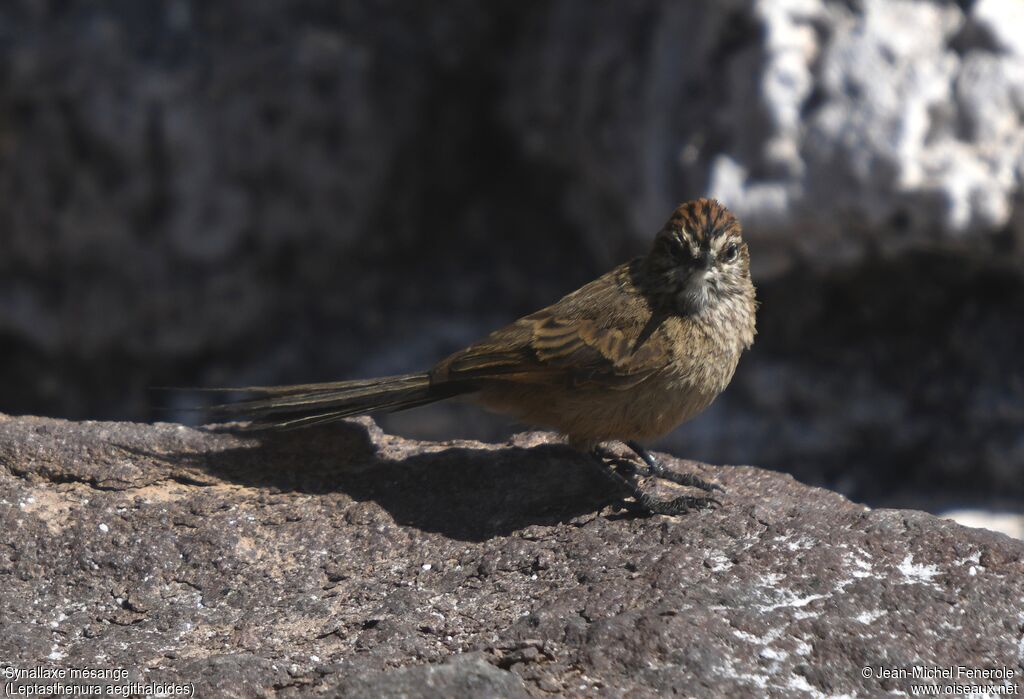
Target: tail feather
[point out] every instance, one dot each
(289, 407)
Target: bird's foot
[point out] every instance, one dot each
(619, 465)
(677, 505)
(623, 472)
(656, 468)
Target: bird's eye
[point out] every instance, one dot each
(729, 254)
(679, 249)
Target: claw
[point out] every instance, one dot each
(614, 467)
(659, 470)
(690, 479)
(678, 505)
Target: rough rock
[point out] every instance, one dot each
(347, 561)
(213, 189)
(216, 194)
(835, 129)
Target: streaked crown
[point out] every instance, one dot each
(702, 220)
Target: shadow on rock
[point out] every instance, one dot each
(462, 492)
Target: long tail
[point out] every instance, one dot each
(290, 407)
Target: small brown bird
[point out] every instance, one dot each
(626, 357)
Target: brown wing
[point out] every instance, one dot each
(602, 334)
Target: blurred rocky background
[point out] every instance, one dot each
(238, 192)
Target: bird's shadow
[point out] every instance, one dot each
(461, 492)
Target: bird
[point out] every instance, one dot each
(625, 358)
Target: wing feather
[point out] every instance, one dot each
(565, 343)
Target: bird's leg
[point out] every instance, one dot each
(609, 458)
(657, 469)
(609, 463)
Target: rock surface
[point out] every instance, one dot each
(346, 561)
(834, 128)
(202, 194)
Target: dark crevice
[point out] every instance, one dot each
(973, 37)
(62, 478)
(185, 480)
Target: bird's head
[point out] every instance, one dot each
(699, 257)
